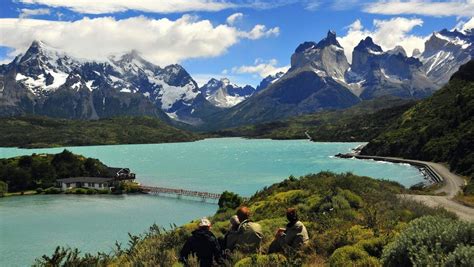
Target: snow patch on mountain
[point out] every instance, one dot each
(224, 94)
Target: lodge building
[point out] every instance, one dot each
(113, 177)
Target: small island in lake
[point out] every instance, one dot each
(64, 172)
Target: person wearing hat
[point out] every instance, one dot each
(294, 236)
(230, 238)
(202, 244)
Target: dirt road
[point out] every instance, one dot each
(451, 186)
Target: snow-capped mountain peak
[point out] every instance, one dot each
(224, 94)
(444, 52)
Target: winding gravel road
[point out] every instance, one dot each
(451, 186)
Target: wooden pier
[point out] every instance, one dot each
(182, 192)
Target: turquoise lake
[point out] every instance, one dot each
(31, 226)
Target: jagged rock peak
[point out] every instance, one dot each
(329, 40)
(416, 53)
(398, 50)
(305, 46)
(369, 45)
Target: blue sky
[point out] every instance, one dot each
(199, 35)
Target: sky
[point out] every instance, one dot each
(244, 40)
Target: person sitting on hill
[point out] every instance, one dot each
(230, 238)
(294, 236)
(249, 234)
(202, 244)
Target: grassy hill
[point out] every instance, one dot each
(33, 132)
(359, 123)
(439, 128)
(351, 220)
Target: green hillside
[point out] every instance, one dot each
(351, 221)
(359, 123)
(34, 132)
(440, 128)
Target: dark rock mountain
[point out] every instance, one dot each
(321, 78)
(375, 73)
(311, 84)
(269, 80)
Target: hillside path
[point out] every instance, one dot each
(451, 187)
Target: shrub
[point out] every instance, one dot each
(78, 191)
(428, 241)
(263, 260)
(352, 256)
(91, 191)
(3, 188)
(462, 256)
(103, 191)
(52, 190)
(127, 187)
(373, 246)
(469, 188)
(354, 200)
(39, 190)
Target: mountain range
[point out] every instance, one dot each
(46, 81)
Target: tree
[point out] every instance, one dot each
(17, 178)
(229, 200)
(94, 168)
(67, 165)
(3, 188)
(43, 173)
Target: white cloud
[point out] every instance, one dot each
(260, 31)
(386, 33)
(262, 68)
(113, 6)
(161, 41)
(313, 5)
(27, 13)
(234, 18)
(428, 8)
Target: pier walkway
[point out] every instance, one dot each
(182, 192)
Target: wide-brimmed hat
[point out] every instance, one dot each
(204, 222)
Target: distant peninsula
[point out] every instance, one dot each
(39, 132)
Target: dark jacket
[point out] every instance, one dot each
(203, 244)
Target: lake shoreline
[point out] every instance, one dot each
(239, 165)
